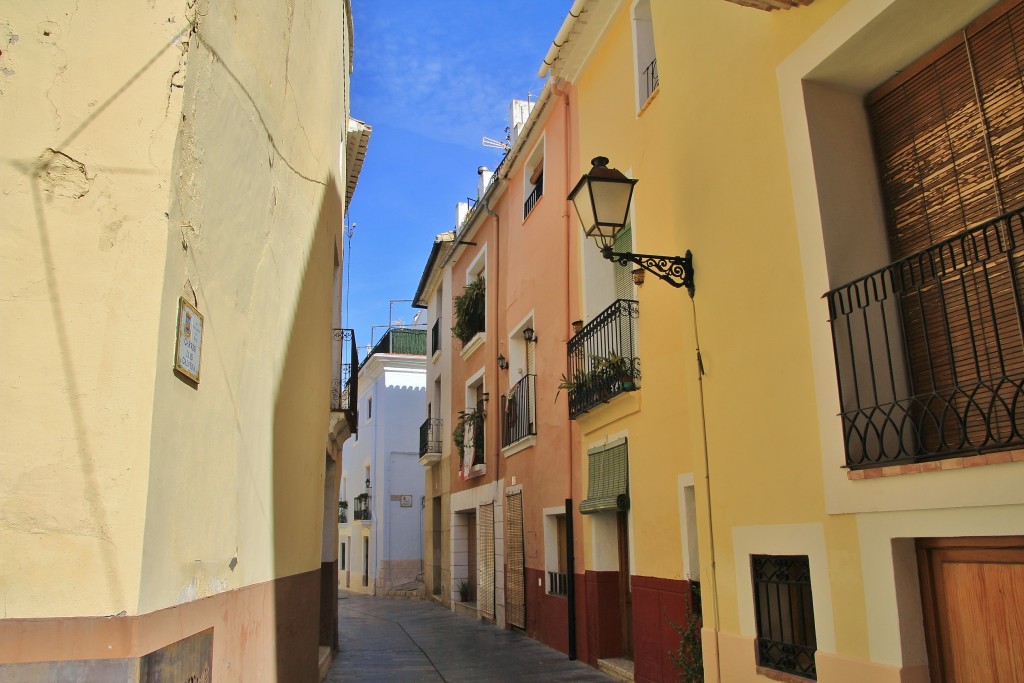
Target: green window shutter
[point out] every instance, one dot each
(608, 488)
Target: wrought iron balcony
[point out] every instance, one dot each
(519, 411)
(929, 351)
(534, 197)
(430, 436)
(401, 340)
(602, 358)
(649, 78)
(345, 382)
(362, 507)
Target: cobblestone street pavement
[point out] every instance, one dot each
(384, 639)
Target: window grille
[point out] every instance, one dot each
(784, 609)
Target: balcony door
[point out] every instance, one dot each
(949, 142)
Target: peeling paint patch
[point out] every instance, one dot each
(49, 32)
(63, 176)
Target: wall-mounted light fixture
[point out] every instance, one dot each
(602, 198)
(367, 483)
(577, 325)
(529, 335)
(638, 276)
(502, 362)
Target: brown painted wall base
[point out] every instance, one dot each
(267, 632)
(657, 604)
(603, 626)
(547, 616)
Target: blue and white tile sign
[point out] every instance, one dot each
(189, 345)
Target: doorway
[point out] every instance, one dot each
(972, 594)
(625, 591)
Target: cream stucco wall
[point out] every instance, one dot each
(201, 161)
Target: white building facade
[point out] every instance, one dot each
(381, 509)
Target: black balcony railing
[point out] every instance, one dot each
(531, 201)
(342, 515)
(430, 436)
(649, 79)
(403, 340)
(519, 411)
(602, 358)
(362, 507)
(558, 584)
(345, 382)
(929, 351)
(435, 337)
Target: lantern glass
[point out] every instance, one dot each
(602, 199)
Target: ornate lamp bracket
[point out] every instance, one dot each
(675, 270)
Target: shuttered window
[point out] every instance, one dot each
(608, 486)
(485, 532)
(949, 141)
(947, 133)
(515, 575)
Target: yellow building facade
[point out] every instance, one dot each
(827, 475)
(174, 179)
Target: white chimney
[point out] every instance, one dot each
(485, 180)
(461, 211)
(519, 112)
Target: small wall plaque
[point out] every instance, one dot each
(406, 501)
(189, 345)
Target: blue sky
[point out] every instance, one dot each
(433, 77)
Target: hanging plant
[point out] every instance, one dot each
(466, 417)
(470, 310)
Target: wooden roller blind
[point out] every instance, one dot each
(485, 531)
(515, 574)
(949, 141)
(948, 133)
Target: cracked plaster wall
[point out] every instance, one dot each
(154, 150)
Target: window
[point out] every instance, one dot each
(645, 61)
(784, 610)
(469, 433)
(934, 370)
(533, 179)
(369, 409)
(556, 552)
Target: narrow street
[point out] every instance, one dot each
(385, 639)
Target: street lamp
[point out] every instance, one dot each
(602, 198)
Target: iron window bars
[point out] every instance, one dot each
(784, 610)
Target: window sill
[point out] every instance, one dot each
(476, 471)
(647, 103)
(436, 356)
(473, 344)
(521, 445)
(782, 676)
(962, 462)
(430, 459)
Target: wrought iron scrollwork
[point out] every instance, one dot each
(675, 270)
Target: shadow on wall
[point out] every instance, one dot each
(300, 427)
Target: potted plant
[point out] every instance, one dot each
(464, 588)
(470, 310)
(476, 417)
(616, 369)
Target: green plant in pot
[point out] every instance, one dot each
(464, 588)
(470, 310)
(616, 370)
(477, 418)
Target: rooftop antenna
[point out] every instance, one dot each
(495, 144)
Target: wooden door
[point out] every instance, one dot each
(972, 593)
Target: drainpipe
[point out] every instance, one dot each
(570, 541)
(497, 308)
